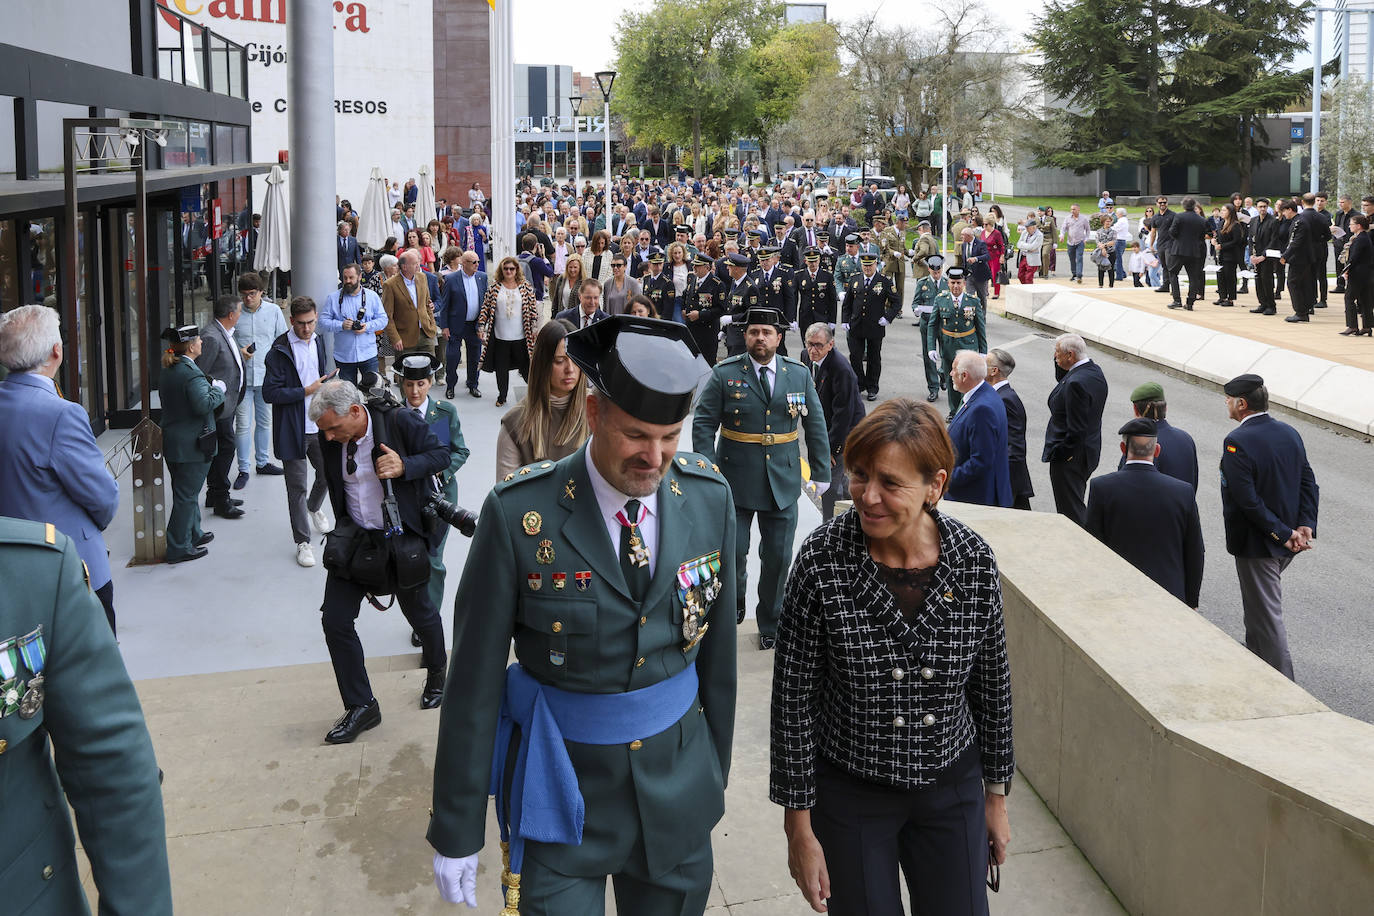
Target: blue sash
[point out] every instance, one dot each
(544, 803)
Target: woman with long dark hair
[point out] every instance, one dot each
(1230, 245)
(1359, 278)
(551, 422)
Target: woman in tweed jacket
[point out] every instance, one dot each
(506, 325)
(891, 716)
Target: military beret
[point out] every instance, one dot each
(851, 239)
(924, 222)
(868, 257)
(1242, 385)
(935, 262)
(954, 273)
(1139, 426)
(738, 260)
(1149, 391)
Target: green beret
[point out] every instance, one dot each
(1149, 391)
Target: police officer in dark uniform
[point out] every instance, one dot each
(828, 255)
(613, 569)
(870, 305)
(658, 286)
(1269, 510)
(740, 296)
(774, 282)
(62, 680)
(703, 304)
(815, 291)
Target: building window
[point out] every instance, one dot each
(10, 297)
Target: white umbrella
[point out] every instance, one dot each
(374, 221)
(274, 236)
(424, 202)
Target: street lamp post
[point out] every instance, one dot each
(605, 79)
(576, 100)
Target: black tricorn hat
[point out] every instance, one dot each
(182, 334)
(649, 368)
(764, 315)
(416, 365)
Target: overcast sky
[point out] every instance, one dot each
(580, 34)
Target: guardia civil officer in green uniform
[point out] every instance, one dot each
(614, 571)
(923, 305)
(62, 680)
(956, 323)
(761, 402)
(847, 265)
(189, 402)
(415, 371)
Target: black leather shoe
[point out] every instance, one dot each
(1291, 319)
(872, 396)
(1228, 304)
(1175, 305)
(415, 639)
(1322, 304)
(228, 511)
(204, 539)
(1257, 311)
(230, 500)
(448, 392)
(475, 392)
(241, 481)
(739, 615)
(932, 396)
(354, 722)
(1163, 290)
(270, 470)
(765, 643)
(193, 555)
(433, 694)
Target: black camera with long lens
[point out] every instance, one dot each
(438, 509)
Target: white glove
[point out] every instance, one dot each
(726, 319)
(845, 326)
(456, 879)
(820, 486)
(832, 326)
(794, 327)
(220, 385)
(934, 356)
(882, 322)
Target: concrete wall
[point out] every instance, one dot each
(93, 33)
(1195, 778)
(462, 99)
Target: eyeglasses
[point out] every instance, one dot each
(618, 264)
(814, 344)
(352, 454)
(509, 268)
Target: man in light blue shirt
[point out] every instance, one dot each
(355, 344)
(260, 323)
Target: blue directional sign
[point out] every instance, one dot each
(1298, 133)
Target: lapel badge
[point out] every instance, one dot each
(583, 579)
(544, 553)
(568, 490)
(534, 580)
(559, 581)
(556, 658)
(672, 485)
(532, 523)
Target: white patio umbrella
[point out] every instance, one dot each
(374, 220)
(424, 201)
(274, 236)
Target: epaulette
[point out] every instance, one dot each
(527, 473)
(692, 463)
(793, 361)
(34, 534)
(730, 360)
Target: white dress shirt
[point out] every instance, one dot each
(308, 368)
(363, 493)
(772, 367)
(610, 501)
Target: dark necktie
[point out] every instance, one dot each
(634, 556)
(767, 388)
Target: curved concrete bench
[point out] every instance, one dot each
(1194, 777)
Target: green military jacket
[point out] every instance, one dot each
(846, 269)
(925, 246)
(442, 418)
(927, 288)
(892, 247)
(956, 326)
(189, 401)
(764, 475)
(542, 569)
(101, 757)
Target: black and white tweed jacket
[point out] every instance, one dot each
(890, 701)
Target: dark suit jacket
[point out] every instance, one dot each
(1177, 455)
(1299, 247)
(1360, 260)
(1187, 229)
(575, 316)
(348, 252)
(977, 265)
(451, 308)
(838, 388)
(979, 433)
(1164, 242)
(1074, 431)
(1016, 442)
(424, 455)
(1267, 487)
(1150, 520)
(1318, 233)
(283, 388)
(218, 362)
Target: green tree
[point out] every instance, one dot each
(784, 68)
(684, 70)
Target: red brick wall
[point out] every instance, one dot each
(462, 98)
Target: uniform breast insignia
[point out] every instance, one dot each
(535, 581)
(560, 581)
(35, 657)
(796, 404)
(557, 658)
(639, 554)
(543, 554)
(568, 490)
(672, 485)
(532, 523)
(737, 396)
(968, 312)
(583, 579)
(698, 585)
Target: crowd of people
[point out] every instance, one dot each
(891, 724)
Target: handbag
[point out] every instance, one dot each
(1003, 274)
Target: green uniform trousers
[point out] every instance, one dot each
(436, 559)
(183, 525)
(682, 891)
(933, 374)
(777, 527)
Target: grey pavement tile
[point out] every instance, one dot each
(231, 872)
(1052, 882)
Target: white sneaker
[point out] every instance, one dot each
(305, 555)
(320, 518)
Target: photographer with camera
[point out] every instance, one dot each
(354, 315)
(415, 372)
(378, 461)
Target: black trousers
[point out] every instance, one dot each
(504, 356)
(936, 837)
(458, 338)
(1359, 304)
(866, 356)
(342, 601)
(106, 595)
(1320, 269)
(1264, 285)
(217, 483)
(1226, 281)
(1069, 483)
(1301, 288)
(1280, 272)
(1193, 266)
